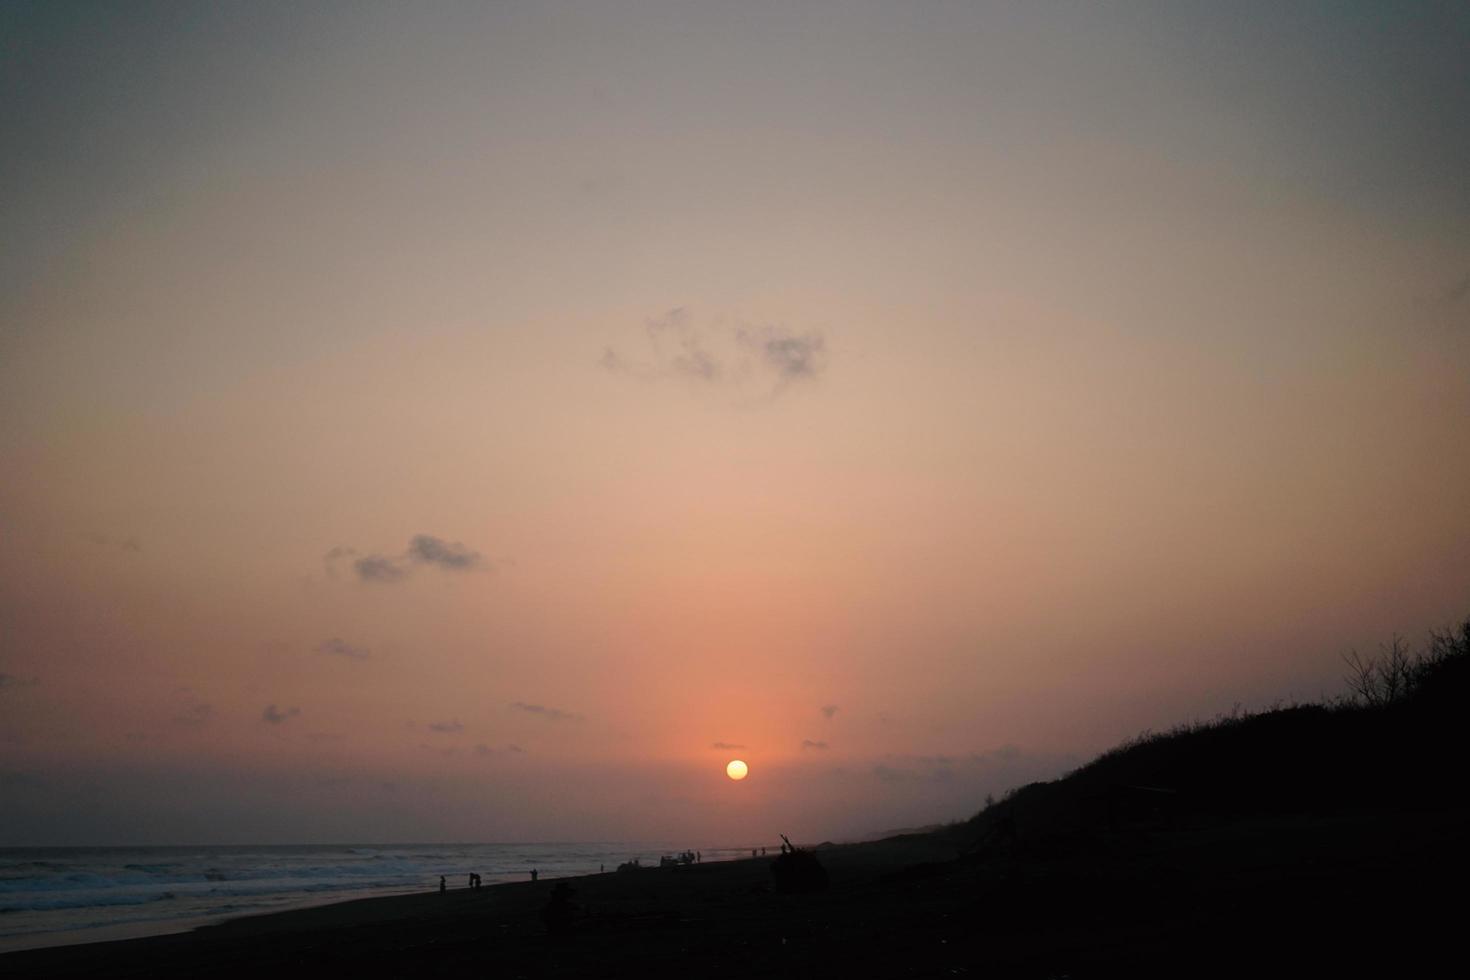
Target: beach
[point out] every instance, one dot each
(1267, 895)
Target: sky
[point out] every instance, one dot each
(481, 422)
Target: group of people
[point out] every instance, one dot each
(474, 882)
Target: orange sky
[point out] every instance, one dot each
(455, 424)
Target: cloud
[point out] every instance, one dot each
(193, 713)
(482, 750)
(130, 543)
(379, 568)
(10, 682)
(1458, 290)
(423, 549)
(550, 714)
(808, 743)
(738, 356)
(790, 356)
(829, 710)
(446, 727)
(513, 747)
(726, 745)
(429, 550)
(339, 647)
(275, 715)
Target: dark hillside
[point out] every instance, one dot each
(1381, 750)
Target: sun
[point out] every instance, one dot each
(737, 770)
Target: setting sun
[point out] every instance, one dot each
(737, 770)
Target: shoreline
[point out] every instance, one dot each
(1212, 897)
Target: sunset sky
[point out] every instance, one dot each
(483, 421)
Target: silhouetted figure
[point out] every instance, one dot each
(602, 869)
(763, 852)
(752, 852)
(533, 874)
(443, 886)
(698, 857)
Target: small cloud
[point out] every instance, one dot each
(736, 356)
(193, 714)
(808, 743)
(791, 356)
(482, 750)
(20, 779)
(513, 747)
(888, 774)
(453, 556)
(726, 746)
(130, 543)
(550, 714)
(339, 647)
(446, 727)
(423, 549)
(379, 568)
(1458, 290)
(10, 682)
(829, 710)
(275, 715)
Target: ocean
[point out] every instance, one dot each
(53, 896)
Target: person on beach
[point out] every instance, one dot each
(443, 886)
(533, 874)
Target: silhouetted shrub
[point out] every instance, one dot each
(1395, 676)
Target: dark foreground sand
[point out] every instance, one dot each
(1347, 894)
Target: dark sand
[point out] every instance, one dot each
(1343, 894)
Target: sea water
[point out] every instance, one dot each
(58, 895)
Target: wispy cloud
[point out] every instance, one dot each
(380, 568)
(339, 647)
(452, 556)
(446, 727)
(422, 550)
(726, 746)
(276, 716)
(808, 743)
(829, 710)
(129, 543)
(763, 359)
(550, 714)
(790, 356)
